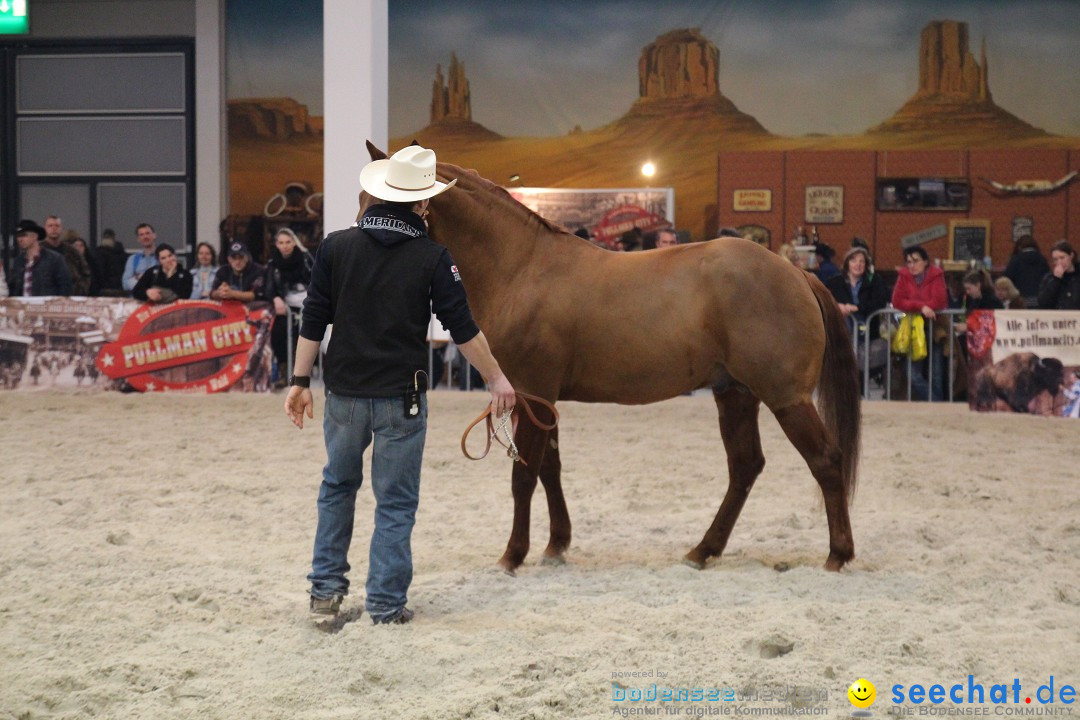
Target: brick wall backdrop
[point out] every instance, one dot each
(787, 173)
(752, 171)
(1048, 212)
(851, 169)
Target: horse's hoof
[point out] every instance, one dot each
(696, 558)
(835, 563)
(553, 560)
(507, 566)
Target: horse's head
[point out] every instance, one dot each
(468, 181)
(481, 223)
(445, 172)
(365, 200)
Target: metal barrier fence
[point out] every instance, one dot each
(889, 319)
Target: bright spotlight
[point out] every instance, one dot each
(648, 169)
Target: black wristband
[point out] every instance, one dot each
(300, 381)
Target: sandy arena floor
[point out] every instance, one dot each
(153, 551)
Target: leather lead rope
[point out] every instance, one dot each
(523, 401)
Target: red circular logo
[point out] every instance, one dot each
(188, 346)
(981, 331)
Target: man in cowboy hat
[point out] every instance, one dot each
(377, 283)
(36, 271)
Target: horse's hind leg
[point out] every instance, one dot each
(531, 442)
(551, 478)
(806, 431)
(739, 430)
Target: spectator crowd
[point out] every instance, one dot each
(47, 260)
(51, 261)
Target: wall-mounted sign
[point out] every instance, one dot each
(969, 240)
(923, 236)
(757, 233)
(752, 201)
(14, 17)
(1021, 226)
(921, 194)
(824, 204)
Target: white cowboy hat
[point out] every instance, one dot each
(406, 176)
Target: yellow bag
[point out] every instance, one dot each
(901, 339)
(918, 338)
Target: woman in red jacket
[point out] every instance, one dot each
(920, 288)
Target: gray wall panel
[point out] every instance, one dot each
(122, 206)
(101, 146)
(111, 18)
(102, 83)
(71, 203)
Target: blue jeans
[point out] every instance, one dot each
(921, 384)
(349, 424)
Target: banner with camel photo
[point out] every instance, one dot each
(1024, 361)
(120, 344)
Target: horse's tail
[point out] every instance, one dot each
(839, 400)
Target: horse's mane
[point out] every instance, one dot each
(505, 197)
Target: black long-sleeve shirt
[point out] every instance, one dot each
(287, 275)
(378, 283)
(180, 283)
(874, 294)
(1026, 270)
(1060, 293)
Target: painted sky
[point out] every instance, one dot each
(539, 68)
(274, 49)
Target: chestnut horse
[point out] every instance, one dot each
(570, 321)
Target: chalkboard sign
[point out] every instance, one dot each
(969, 240)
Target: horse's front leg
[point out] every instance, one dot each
(551, 477)
(531, 443)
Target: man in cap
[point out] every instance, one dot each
(138, 263)
(377, 282)
(241, 278)
(36, 271)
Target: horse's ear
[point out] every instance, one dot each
(374, 152)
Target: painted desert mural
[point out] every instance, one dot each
(682, 116)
